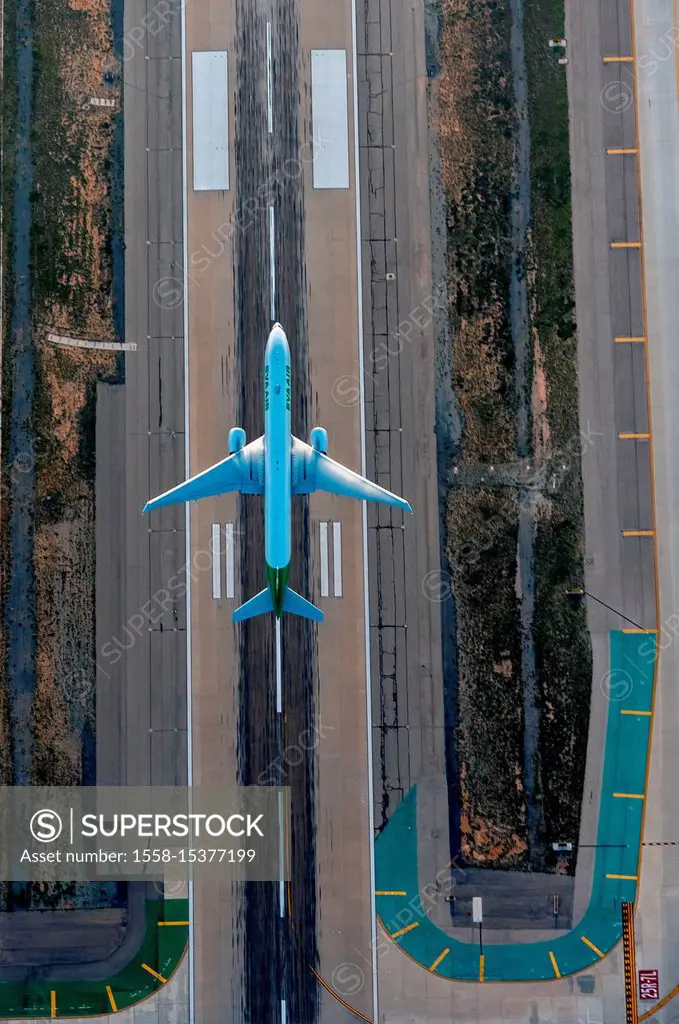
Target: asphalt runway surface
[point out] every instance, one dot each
(272, 970)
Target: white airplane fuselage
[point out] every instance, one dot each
(277, 463)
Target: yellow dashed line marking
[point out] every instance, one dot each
(634, 437)
(618, 60)
(53, 1003)
(173, 924)
(592, 946)
(640, 631)
(646, 713)
(627, 878)
(155, 973)
(622, 152)
(625, 245)
(630, 796)
(111, 1000)
(554, 964)
(482, 967)
(439, 958)
(625, 338)
(408, 928)
(638, 533)
(390, 892)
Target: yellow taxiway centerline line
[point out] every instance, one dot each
(438, 960)
(155, 973)
(592, 946)
(554, 964)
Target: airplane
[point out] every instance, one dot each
(277, 465)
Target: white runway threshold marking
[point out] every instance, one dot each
(230, 589)
(269, 78)
(216, 561)
(324, 559)
(330, 118)
(210, 120)
(337, 557)
(284, 1012)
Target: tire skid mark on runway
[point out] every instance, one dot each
(267, 172)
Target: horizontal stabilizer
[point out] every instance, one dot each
(295, 604)
(260, 604)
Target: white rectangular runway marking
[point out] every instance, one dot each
(210, 120)
(330, 118)
(269, 77)
(216, 561)
(337, 557)
(281, 857)
(324, 559)
(272, 262)
(230, 590)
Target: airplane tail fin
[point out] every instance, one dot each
(295, 604)
(260, 604)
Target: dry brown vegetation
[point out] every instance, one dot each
(72, 217)
(475, 128)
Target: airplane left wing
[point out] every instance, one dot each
(243, 471)
(312, 470)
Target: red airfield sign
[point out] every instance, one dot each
(648, 985)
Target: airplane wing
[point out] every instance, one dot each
(243, 471)
(312, 470)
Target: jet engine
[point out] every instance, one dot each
(319, 440)
(237, 439)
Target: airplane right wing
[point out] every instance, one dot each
(243, 471)
(312, 470)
